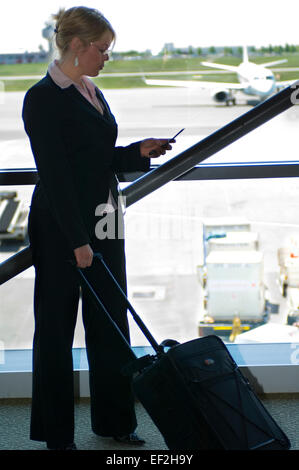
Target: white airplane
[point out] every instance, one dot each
(254, 80)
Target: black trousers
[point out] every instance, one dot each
(56, 297)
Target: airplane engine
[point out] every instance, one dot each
(223, 96)
(220, 96)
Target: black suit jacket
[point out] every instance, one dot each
(75, 154)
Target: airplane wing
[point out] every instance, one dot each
(231, 68)
(276, 62)
(195, 84)
(284, 83)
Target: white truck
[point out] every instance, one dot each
(232, 281)
(235, 285)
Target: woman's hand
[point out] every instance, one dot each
(84, 256)
(153, 148)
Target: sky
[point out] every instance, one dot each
(149, 24)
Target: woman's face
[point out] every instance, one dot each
(94, 56)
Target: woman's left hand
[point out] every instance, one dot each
(153, 148)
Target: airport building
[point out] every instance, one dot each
(23, 58)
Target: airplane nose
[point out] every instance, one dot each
(264, 86)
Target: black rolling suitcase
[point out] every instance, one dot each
(196, 395)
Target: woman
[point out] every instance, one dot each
(72, 134)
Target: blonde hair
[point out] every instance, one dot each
(88, 24)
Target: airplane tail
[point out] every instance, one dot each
(245, 54)
(231, 68)
(266, 64)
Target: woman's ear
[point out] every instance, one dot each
(76, 45)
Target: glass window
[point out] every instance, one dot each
(190, 244)
(203, 257)
(141, 108)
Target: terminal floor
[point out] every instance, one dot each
(15, 422)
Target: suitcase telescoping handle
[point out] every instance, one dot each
(158, 349)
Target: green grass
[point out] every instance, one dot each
(122, 82)
(23, 69)
(18, 85)
(144, 66)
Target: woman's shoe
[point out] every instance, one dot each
(132, 439)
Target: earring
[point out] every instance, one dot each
(76, 63)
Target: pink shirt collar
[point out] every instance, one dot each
(63, 81)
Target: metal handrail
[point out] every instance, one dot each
(204, 171)
(181, 164)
